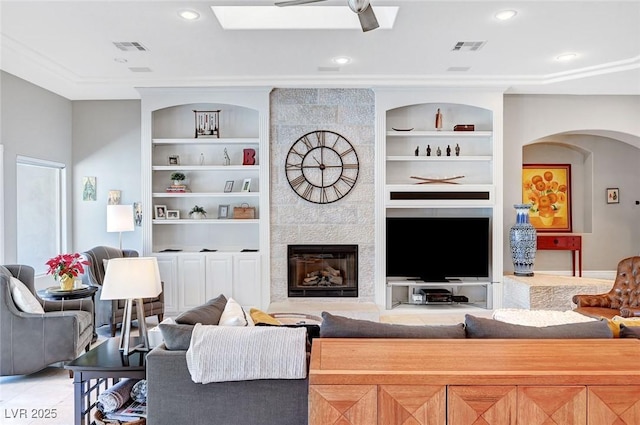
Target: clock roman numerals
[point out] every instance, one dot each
(322, 167)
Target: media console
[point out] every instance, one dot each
(474, 292)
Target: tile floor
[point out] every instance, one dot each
(23, 398)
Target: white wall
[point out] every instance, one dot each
(34, 123)
(600, 137)
(106, 145)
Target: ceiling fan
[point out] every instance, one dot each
(365, 13)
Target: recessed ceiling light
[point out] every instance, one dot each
(120, 60)
(341, 60)
(188, 14)
(566, 57)
(505, 15)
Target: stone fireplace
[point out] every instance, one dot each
(322, 270)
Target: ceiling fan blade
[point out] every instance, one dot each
(368, 19)
(295, 2)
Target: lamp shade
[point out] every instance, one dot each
(120, 218)
(131, 278)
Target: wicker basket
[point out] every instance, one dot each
(99, 417)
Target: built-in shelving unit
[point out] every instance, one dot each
(200, 258)
(413, 184)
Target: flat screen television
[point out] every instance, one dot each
(437, 249)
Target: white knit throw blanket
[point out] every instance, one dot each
(539, 318)
(230, 353)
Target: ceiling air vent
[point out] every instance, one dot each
(468, 46)
(329, 68)
(139, 69)
(458, 68)
(130, 46)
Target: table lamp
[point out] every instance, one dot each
(120, 219)
(132, 279)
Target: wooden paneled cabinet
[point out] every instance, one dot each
(190, 279)
(525, 382)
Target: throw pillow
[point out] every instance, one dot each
(207, 314)
(629, 331)
(23, 298)
(480, 327)
(176, 337)
(343, 327)
(259, 317)
(234, 315)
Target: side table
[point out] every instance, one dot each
(54, 293)
(571, 243)
(97, 370)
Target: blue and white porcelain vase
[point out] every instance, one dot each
(523, 241)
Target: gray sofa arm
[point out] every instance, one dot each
(173, 398)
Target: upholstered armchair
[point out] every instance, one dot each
(622, 300)
(111, 312)
(32, 341)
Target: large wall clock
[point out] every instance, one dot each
(322, 167)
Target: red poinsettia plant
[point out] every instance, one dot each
(70, 265)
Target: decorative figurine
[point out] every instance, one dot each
(438, 152)
(438, 120)
(457, 150)
(448, 150)
(428, 150)
(227, 160)
(201, 159)
(417, 150)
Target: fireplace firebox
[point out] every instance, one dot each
(323, 270)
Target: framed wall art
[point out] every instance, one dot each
(613, 195)
(228, 186)
(547, 187)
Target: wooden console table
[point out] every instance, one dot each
(571, 243)
(467, 381)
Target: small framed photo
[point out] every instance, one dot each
(173, 215)
(613, 195)
(246, 185)
(174, 160)
(228, 186)
(160, 212)
(223, 211)
(114, 197)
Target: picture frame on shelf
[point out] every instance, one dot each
(228, 186)
(173, 160)
(547, 187)
(207, 123)
(160, 212)
(173, 215)
(223, 211)
(246, 185)
(613, 195)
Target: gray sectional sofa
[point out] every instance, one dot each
(173, 398)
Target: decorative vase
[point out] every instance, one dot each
(522, 238)
(197, 215)
(66, 283)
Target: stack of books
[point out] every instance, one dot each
(177, 188)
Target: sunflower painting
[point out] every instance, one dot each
(547, 187)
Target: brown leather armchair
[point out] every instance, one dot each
(622, 300)
(111, 312)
